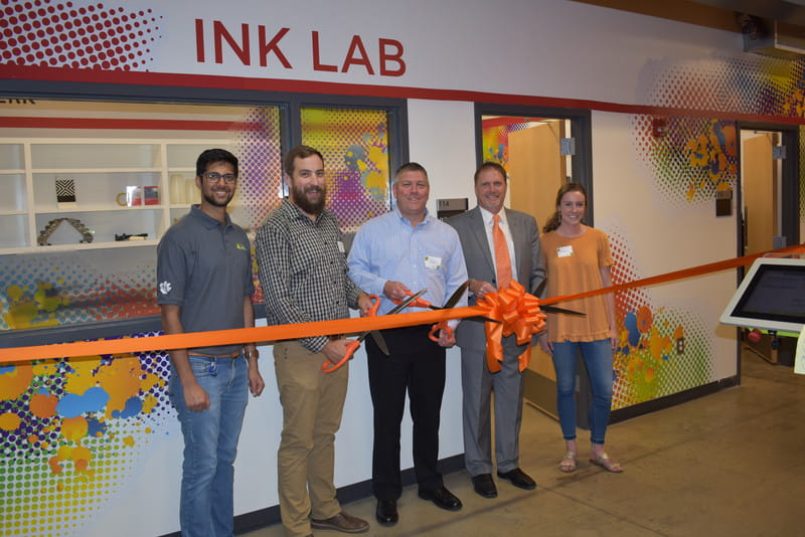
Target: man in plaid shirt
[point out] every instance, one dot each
(303, 272)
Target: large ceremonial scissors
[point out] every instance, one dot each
(328, 367)
(433, 335)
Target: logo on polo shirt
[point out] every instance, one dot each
(165, 288)
(239, 246)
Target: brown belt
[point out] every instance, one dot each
(230, 355)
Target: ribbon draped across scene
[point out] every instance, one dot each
(516, 311)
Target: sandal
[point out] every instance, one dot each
(606, 463)
(568, 462)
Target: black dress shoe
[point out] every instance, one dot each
(519, 479)
(386, 512)
(484, 485)
(441, 497)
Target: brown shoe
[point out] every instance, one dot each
(343, 522)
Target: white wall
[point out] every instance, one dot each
(510, 47)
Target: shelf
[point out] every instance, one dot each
(96, 209)
(65, 170)
(78, 246)
(99, 170)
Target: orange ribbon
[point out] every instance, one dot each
(525, 302)
(518, 313)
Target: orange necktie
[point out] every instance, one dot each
(503, 262)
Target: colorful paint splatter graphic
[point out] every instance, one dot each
(71, 432)
(354, 144)
(660, 352)
(60, 34)
(75, 287)
(692, 156)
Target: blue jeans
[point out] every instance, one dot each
(210, 445)
(597, 357)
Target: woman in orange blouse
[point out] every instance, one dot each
(577, 259)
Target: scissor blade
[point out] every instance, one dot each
(481, 319)
(381, 342)
(556, 309)
(456, 296)
(404, 304)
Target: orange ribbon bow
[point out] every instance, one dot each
(519, 314)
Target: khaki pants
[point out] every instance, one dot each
(312, 403)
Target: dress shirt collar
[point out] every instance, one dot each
(487, 216)
(407, 222)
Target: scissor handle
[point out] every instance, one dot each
(328, 367)
(375, 306)
(433, 335)
(419, 302)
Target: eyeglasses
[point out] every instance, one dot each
(214, 177)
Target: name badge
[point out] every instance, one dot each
(564, 251)
(341, 246)
(432, 262)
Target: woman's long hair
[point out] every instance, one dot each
(556, 219)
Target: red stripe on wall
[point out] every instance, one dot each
(12, 122)
(98, 76)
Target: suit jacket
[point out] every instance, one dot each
(480, 266)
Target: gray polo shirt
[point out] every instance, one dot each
(204, 266)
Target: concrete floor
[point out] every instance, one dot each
(732, 463)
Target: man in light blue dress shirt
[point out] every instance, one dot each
(393, 255)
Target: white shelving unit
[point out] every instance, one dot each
(100, 169)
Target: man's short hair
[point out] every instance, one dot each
(211, 156)
(410, 167)
(490, 165)
(300, 151)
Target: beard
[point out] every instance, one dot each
(299, 197)
(214, 202)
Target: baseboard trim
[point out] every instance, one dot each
(357, 491)
(672, 400)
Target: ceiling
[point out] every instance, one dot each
(730, 15)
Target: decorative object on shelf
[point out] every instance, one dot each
(65, 190)
(78, 225)
(134, 196)
(177, 188)
(130, 237)
(120, 199)
(191, 192)
(151, 195)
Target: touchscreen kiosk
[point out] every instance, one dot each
(770, 297)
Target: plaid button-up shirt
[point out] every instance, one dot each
(303, 270)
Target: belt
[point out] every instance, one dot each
(230, 355)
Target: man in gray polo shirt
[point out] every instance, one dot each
(205, 283)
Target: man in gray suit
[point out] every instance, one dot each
(499, 245)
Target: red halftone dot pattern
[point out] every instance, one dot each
(60, 34)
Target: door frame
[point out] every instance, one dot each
(580, 128)
(789, 198)
(790, 190)
(538, 390)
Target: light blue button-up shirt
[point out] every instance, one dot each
(425, 256)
